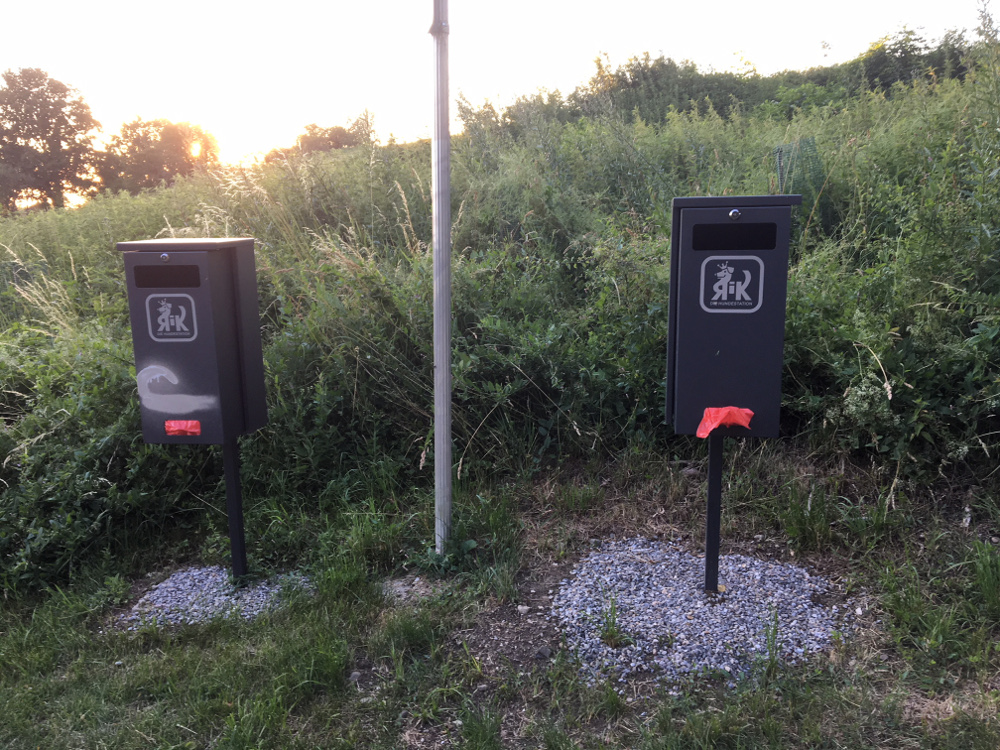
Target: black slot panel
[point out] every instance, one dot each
(729, 237)
(167, 277)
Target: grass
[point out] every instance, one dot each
(609, 628)
(928, 678)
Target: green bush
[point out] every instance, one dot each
(559, 309)
(77, 478)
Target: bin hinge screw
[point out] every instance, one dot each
(165, 257)
(735, 214)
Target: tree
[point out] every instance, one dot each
(901, 58)
(148, 153)
(327, 139)
(46, 140)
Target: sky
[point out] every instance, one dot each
(254, 75)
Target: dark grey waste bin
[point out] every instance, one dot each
(196, 334)
(726, 321)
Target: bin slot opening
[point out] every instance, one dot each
(728, 237)
(167, 277)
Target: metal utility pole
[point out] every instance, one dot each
(441, 188)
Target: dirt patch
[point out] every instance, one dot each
(518, 634)
(412, 588)
(515, 633)
(921, 709)
(417, 736)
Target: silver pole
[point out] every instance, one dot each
(441, 188)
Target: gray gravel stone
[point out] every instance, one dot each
(671, 628)
(196, 595)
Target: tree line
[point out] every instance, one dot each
(48, 134)
(49, 148)
(648, 89)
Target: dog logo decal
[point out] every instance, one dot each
(732, 284)
(171, 317)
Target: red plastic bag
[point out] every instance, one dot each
(182, 427)
(723, 416)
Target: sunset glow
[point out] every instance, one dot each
(254, 78)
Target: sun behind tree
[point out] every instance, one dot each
(148, 153)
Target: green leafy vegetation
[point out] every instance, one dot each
(885, 474)
(608, 626)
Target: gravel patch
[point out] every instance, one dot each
(668, 627)
(196, 595)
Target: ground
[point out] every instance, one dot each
(514, 657)
(515, 644)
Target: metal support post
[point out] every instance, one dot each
(713, 518)
(234, 505)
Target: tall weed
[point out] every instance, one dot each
(559, 298)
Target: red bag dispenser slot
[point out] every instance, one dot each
(182, 427)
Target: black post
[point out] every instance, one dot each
(234, 505)
(713, 518)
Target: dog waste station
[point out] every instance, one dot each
(726, 328)
(198, 358)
